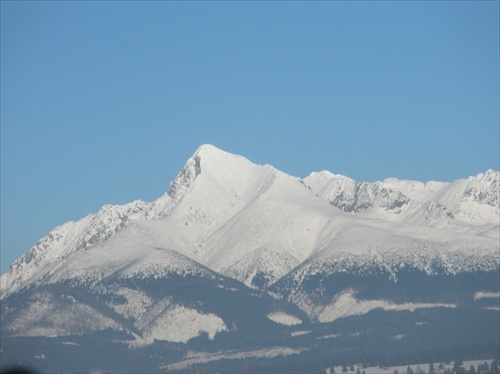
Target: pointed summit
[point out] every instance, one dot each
(213, 163)
(210, 171)
(213, 159)
(209, 150)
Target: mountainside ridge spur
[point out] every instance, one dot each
(256, 224)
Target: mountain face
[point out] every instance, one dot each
(238, 256)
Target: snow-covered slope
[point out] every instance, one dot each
(466, 205)
(226, 215)
(474, 200)
(352, 196)
(237, 259)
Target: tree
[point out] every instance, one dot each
(485, 368)
(458, 365)
(472, 370)
(409, 370)
(344, 368)
(494, 367)
(482, 368)
(432, 370)
(351, 368)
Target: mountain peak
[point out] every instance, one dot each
(208, 150)
(213, 163)
(209, 158)
(228, 213)
(327, 175)
(489, 177)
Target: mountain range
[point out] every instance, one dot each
(239, 261)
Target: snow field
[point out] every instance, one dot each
(284, 319)
(345, 305)
(179, 324)
(202, 357)
(417, 368)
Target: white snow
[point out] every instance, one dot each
(495, 308)
(416, 368)
(461, 204)
(486, 295)
(177, 323)
(284, 319)
(224, 214)
(329, 336)
(345, 305)
(300, 332)
(72, 318)
(399, 336)
(204, 357)
(137, 303)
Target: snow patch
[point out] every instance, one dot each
(330, 336)
(204, 357)
(346, 305)
(399, 336)
(495, 308)
(137, 303)
(284, 319)
(301, 332)
(486, 295)
(416, 368)
(72, 319)
(179, 324)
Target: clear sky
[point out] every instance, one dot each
(103, 102)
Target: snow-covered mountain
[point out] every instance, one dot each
(472, 201)
(253, 222)
(280, 243)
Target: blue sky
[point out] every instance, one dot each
(103, 102)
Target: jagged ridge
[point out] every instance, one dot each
(257, 224)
